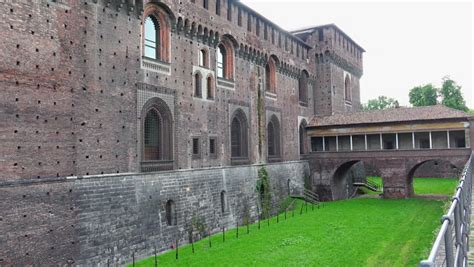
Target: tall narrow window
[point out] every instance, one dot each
(197, 85)
(212, 146)
(203, 58)
(257, 27)
(229, 10)
(265, 32)
(273, 36)
(239, 17)
(347, 88)
(223, 201)
(152, 30)
(221, 55)
(218, 7)
(271, 139)
(249, 22)
(152, 135)
(196, 147)
(205, 4)
(210, 88)
(270, 75)
(303, 87)
(171, 213)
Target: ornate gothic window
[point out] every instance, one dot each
(303, 87)
(273, 137)
(238, 135)
(156, 135)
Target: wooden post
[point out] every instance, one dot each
(192, 242)
(248, 229)
(133, 259)
(223, 234)
(156, 258)
(237, 230)
(176, 248)
(210, 243)
(285, 214)
(278, 217)
(259, 222)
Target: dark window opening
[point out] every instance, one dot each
(197, 85)
(239, 17)
(218, 7)
(205, 4)
(196, 147)
(229, 10)
(212, 146)
(171, 213)
(223, 202)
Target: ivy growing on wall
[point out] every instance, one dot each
(263, 190)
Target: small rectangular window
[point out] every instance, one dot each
(212, 146)
(205, 4)
(196, 146)
(321, 35)
(257, 27)
(249, 22)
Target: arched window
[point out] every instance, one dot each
(157, 141)
(210, 88)
(152, 135)
(221, 57)
(239, 143)
(273, 137)
(270, 75)
(152, 38)
(225, 60)
(203, 58)
(156, 33)
(303, 87)
(171, 217)
(302, 137)
(347, 88)
(197, 85)
(223, 202)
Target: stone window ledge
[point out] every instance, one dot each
(155, 65)
(239, 160)
(156, 165)
(271, 95)
(225, 84)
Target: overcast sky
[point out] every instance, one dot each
(407, 44)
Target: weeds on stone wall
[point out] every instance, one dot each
(263, 189)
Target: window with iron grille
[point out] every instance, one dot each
(212, 146)
(196, 147)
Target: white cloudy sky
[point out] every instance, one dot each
(407, 43)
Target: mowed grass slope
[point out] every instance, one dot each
(357, 232)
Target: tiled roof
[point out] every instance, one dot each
(403, 114)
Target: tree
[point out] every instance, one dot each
(451, 95)
(381, 102)
(425, 95)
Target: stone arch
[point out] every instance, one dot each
(157, 131)
(162, 18)
(239, 135)
(345, 175)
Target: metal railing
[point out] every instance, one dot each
(451, 245)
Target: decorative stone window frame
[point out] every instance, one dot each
(164, 18)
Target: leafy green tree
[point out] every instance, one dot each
(451, 95)
(471, 111)
(381, 102)
(425, 95)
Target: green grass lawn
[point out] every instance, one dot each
(425, 186)
(356, 232)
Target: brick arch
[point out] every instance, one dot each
(273, 137)
(210, 86)
(164, 18)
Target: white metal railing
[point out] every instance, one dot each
(451, 245)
